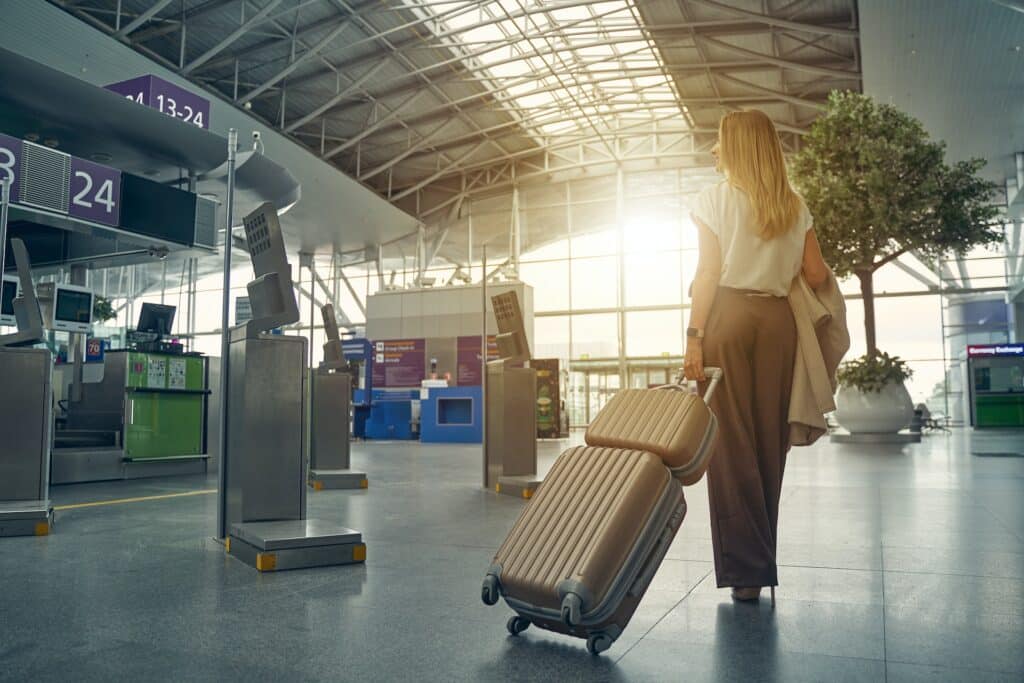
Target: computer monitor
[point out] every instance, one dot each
(157, 318)
(72, 308)
(10, 290)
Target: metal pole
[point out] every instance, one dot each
(190, 326)
(469, 246)
(225, 340)
(77, 274)
(5, 199)
(620, 231)
(312, 310)
(483, 363)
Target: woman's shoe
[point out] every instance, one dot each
(746, 594)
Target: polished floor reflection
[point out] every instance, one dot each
(905, 565)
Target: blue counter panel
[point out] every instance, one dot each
(390, 420)
(452, 415)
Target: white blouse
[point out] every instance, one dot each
(748, 260)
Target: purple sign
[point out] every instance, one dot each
(95, 192)
(467, 354)
(399, 363)
(166, 98)
(10, 160)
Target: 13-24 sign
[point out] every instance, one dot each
(167, 98)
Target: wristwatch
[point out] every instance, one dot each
(695, 332)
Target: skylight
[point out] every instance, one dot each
(559, 67)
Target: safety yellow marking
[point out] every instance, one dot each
(318, 486)
(42, 529)
(266, 562)
(139, 499)
(359, 553)
(227, 545)
(364, 484)
(497, 488)
(527, 493)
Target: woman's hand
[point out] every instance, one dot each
(693, 362)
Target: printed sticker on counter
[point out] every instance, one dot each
(156, 375)
(176, 373)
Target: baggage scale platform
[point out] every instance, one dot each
(26, 518)
(321, 480)
(294, 544)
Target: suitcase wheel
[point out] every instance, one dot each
(598, 643)
(572, 607)
(517, 624)
(489, 592)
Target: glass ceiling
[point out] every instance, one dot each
(559, 67)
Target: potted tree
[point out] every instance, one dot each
(879, 187)
(102, 309)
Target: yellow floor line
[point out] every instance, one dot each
(140, 499)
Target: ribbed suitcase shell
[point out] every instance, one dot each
(598, 527)
(675, 425)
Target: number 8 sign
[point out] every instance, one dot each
(10, 158)
(95, 192)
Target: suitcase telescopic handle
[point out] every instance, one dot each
(713, 373)
(716, 376)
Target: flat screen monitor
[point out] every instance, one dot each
(10, 290)
(72, 308)
(156, 318)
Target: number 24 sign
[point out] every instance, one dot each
(95, 192)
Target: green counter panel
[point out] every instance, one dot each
(1006, 410)
(163, 425)
(160, 371)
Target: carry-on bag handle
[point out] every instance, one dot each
(715, 374)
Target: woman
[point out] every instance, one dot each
(755, 236)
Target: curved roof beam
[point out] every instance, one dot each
(778, 22)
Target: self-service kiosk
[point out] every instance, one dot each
(330, 452)
(265, 466)
(510, 415)
(26, 419)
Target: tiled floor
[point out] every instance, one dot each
(896, 565)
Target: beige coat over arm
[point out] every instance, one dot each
(822, 341)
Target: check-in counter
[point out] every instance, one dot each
(452, 415)
(996, 384)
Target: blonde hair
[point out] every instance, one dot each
(751, 156)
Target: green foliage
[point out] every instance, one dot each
(102, 310)
(878, 187)
(872, 372)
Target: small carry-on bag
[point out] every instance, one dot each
(670, 422)
(585, 548)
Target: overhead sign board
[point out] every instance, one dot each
(167, 98)
(10, 162)
(93, 191)
(995, 350)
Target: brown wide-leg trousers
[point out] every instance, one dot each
(752, 337)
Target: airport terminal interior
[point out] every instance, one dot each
(322, 322)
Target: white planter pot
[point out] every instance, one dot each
(885, 412)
